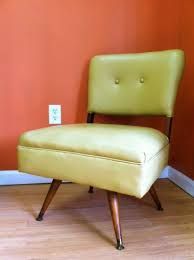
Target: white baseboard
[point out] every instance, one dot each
(164, 173)
(181, 180)
(14, 177)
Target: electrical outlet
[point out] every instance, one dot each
(54, 114)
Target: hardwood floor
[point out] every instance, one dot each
(78, 225)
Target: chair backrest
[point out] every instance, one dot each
(135, 84)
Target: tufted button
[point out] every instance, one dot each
(117, 81)
(141, 80)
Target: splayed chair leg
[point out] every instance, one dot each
(155, 198)
(91, 189)
(114, 208)
(52, 190)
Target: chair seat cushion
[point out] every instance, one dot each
(117, 142)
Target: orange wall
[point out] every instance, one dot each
(182, 155)
(45, 48)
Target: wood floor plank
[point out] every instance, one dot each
(78, 225)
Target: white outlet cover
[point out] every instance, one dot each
(54, 114)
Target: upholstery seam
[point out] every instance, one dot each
(94, 156)
(155, 155)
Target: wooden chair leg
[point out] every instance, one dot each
(52, 190)
(91, 189)
(114, 208)
(155, 198)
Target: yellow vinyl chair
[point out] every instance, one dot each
(117, 158)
